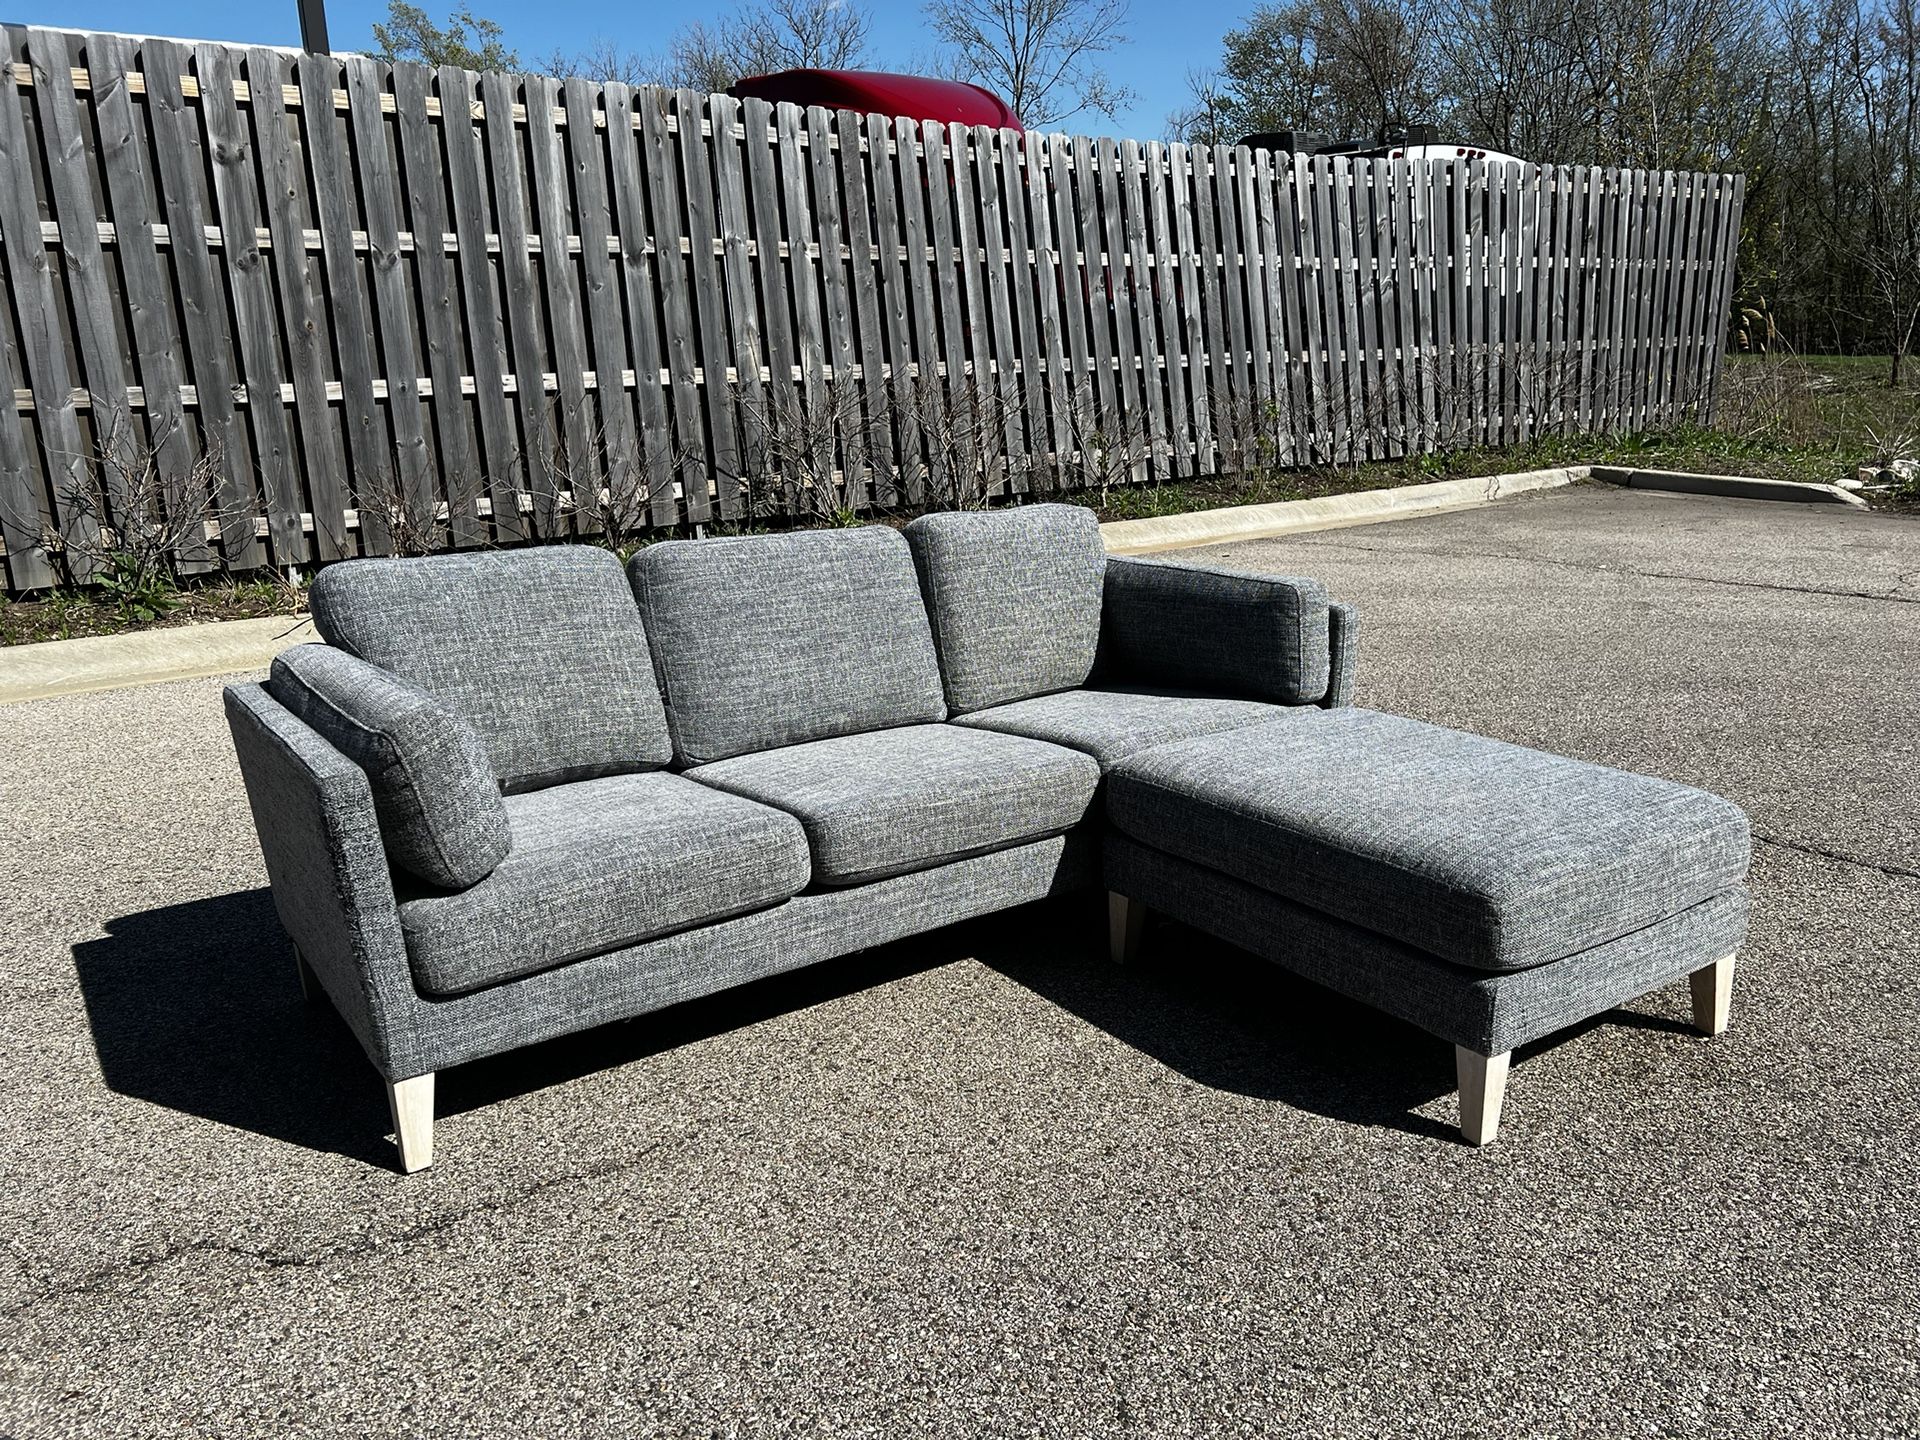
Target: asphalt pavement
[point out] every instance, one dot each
(981, 1183)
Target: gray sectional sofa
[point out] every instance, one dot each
(518, 794)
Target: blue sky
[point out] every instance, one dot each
(1167, 39)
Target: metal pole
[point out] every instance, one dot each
(313, 26)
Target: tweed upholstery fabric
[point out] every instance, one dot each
(1485, 1011)
(1487, 854)
(778, 639)
(1014, 597)
(891, 801)
(1219, 631)
(439, 803)
(327, 864)
(540, 650)
(332, 890)
(598, 865)
(1113, 723)
(1343, 637)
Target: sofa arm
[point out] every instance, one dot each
(332, 887)
(1226, 631)
(1343, 625)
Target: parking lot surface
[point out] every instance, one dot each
(982, 1183)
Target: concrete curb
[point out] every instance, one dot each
(1739, 487)
(1327, 512)
(109, 662)
(146, 657)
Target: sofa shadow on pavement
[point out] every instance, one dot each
(196, 1007)
(1231, 1021)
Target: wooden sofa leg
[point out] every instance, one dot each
(412, 1102)
(310, 990)
(1713, 996)
(1483, 1085)
(1126, 923)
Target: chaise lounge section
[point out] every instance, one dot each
(1488, 893)
(519, 794)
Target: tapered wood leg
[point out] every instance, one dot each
(310, 990)
(1483, 1085)
(412, 1102)
(1126, 923)
(1713, 996)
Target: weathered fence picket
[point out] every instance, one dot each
(339, 307)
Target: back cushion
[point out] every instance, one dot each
(433, 788)
(777, 639)
(541, 651)
(1014, 596)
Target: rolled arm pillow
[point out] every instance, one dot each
(433, 787)
(1222, 631)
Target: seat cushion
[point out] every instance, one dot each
(1487, 854)
(601, 864)
(1014, 597)
(439, 805)
(1111, 723)
(891, 801)
(1225, 632)
(775, 640)
(540, 650)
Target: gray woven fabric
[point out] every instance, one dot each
(778, 639)
(1014, 597)
(439, 803)
(331, 888)
(540, 650)
(1487, 854)
(1343, 640)
(891, 801)
(1113, 723)
(1219, 631)
(1484, 1011)
(602, 864)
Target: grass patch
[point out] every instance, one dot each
(70, 614)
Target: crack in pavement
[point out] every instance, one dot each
(1804, 848)
(107, 1278)
(1892, 594)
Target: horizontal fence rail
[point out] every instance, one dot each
(281, 308)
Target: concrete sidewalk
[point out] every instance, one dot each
(984, 1184)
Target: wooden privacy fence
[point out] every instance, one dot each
(300, 307)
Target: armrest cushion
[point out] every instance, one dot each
(1224, 631)
(439, 805)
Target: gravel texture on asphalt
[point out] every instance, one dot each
(982, 1183)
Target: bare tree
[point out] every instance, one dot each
(1109, 448)
(1207, 118)
(815, 34)
(957, 455)
(604, 62)
(699, 57)
(801, 445)
(126, 520)
(612, 494)
(395, 518)
(758, 38)
(1042, 56)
